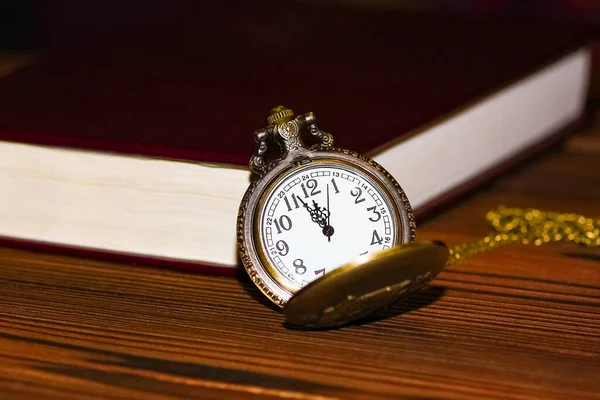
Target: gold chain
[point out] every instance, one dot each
(519, 225)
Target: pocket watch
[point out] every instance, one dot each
(325, 233)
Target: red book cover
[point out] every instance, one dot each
(198, 82)
(195, 83)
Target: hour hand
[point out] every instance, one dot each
(304, 204)
(320, 216)
(317, 214)
(310, 210)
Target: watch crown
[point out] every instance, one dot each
(279, 115)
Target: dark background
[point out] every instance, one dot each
(46, 24)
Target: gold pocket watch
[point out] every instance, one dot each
(325, 233)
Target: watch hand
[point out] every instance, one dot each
(328, 219)
(311, 211)
(303, 203)
(318, 215)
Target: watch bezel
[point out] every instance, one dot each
(260, 270)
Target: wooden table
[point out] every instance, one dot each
(520, 322)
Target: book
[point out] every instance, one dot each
(136, 147)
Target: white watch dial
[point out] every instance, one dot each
(322, 216)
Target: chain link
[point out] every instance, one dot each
(530, 226)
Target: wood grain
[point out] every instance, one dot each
(520, 322)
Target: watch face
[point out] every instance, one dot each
(320, 217)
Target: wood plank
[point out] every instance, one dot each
(589, 140)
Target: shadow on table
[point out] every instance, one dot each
(421, 299)
(252, 291)
(583, 256)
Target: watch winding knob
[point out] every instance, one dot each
(280, 115)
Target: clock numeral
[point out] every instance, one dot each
(376, 239)
(320, 272)
(357, 192)
(335, 186)
(287, 202)
(283, 247)
(300, 267)
(284, 223)
(377, 216)
(304, 190)
(362, 254)
(312, 185)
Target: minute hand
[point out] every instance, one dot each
(328, 210)
(328, 230)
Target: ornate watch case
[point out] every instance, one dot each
(286, 130)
